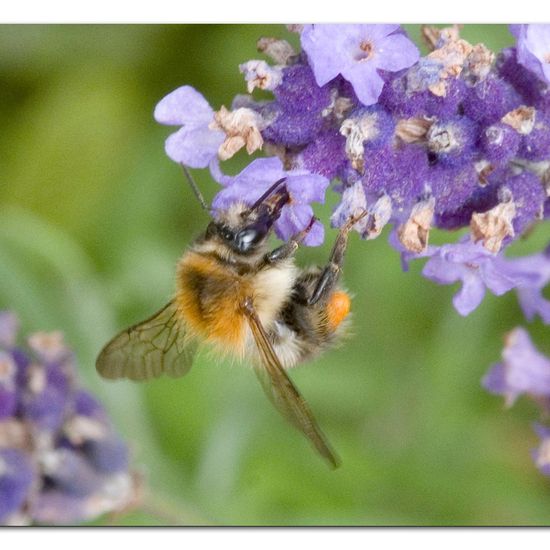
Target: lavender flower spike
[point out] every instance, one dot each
(477, 269)
(194, 144)
(523, 370)
(357, 52)
(303, 187)
(61, 460)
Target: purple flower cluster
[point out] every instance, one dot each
(524, 371)
(323, 98)
(458, 138)
(61, 461)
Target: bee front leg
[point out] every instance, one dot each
(288, 249)
(331, 273)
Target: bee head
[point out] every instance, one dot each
(244, 228)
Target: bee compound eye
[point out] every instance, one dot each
(246, 238)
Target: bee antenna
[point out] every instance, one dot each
(195, 188)
(266, 194)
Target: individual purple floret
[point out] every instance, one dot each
(536, 144)
(194, 144)
(302, 186)
(399, 99)
(530, 296)
(523, 370)
(258, 74)
(533, 90)
(490, 100)
(528, 196)
(366, 129)
(296, 115)
(452, 187)
(541, 455)
(400, 172)
(357, 52)
(533, 48)
(423, 75)
(354, 201)
(499, 144)
(326, 155)
(483, 199)
(206, 135)
(478, 270)
(61, 460)
(452, 141)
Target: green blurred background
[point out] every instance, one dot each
(93, 217)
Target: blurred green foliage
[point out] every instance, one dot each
(93, 218)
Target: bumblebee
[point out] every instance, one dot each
(247, 301)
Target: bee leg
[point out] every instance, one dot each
(288, 249)
(331, 273)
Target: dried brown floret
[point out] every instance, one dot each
(493, 226)
(413, 130)
(522, 119)
(242, 129)
(415, 232)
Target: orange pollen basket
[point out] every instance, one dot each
(338, 308)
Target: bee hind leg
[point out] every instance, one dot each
(331, 273)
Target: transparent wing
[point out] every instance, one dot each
(281, 390)
(156, 346)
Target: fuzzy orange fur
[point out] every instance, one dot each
(216, 318)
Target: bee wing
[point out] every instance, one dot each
(281, 390)
(158, 345)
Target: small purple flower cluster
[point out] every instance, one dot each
(524, 371)
(61, 461)
(457, 138)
